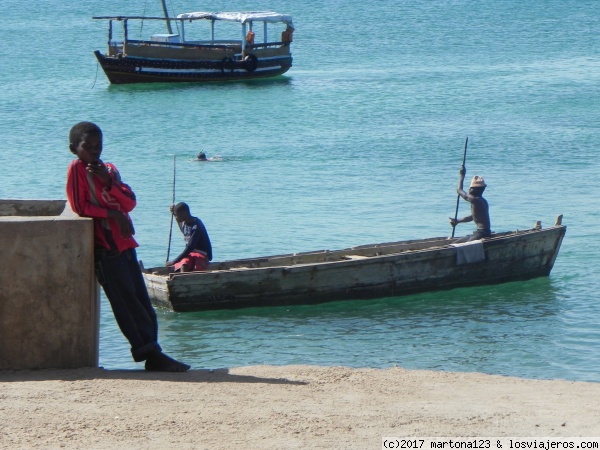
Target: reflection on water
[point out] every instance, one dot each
(206, 85)
(483, 329)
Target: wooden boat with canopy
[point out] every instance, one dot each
(195, 49)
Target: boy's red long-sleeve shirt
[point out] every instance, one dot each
(89, 196)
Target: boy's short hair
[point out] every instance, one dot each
(80, 129)
(181, 207)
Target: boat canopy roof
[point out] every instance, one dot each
(242, 17)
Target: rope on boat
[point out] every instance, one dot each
(96, 77)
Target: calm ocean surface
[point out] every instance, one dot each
(360, 142)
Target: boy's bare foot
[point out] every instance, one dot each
(159, 362)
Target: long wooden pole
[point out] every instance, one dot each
(172, 203)
(458, 196)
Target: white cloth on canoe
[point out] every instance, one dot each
(469, 252)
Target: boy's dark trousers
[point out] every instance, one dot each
(121, 278)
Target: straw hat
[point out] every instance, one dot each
(477, 181)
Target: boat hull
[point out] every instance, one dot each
(364, 272)
(126, 69)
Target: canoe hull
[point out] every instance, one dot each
(364, 272)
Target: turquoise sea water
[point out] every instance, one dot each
(360, 142)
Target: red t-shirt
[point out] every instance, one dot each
(89, 196)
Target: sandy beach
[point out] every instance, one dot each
(268, 407)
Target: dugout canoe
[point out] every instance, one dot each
(364, 272)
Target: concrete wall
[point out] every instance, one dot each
(49, 298)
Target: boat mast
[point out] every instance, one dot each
(166, 13)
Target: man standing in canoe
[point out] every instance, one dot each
(479, 207)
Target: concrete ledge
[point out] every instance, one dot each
(49, 298)
(32, 207)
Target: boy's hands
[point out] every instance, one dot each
(125, 225)
(99, 169)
